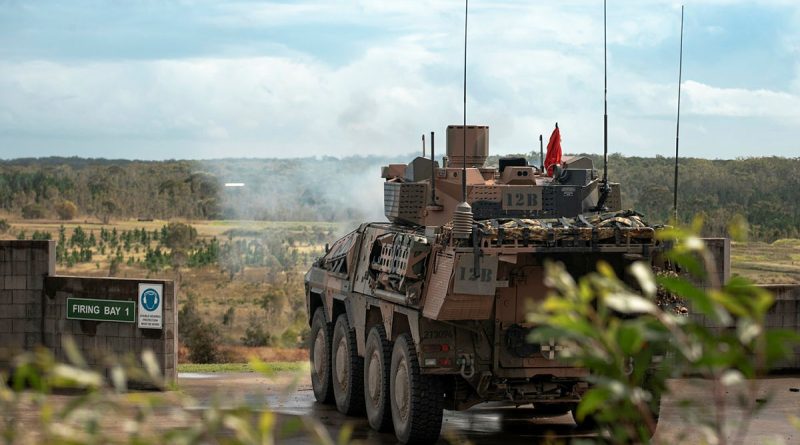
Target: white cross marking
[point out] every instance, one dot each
(549, 350)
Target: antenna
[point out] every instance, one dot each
(423, 145)
(678, 125)
(541, 152)
(433, 171)
(605, 102)
(464, 160)
(601, 202)
(463, 217)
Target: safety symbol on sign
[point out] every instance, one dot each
(150, 299)
(150, 307)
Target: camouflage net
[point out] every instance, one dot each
(623, 226)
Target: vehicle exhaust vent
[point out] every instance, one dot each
(462, 221)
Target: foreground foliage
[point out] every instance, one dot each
(99, 411)
(615, 328)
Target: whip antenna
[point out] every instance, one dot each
(678, 126)
(464, 160)
(463, 217)
(605, 106)
(541, 153)
(606, 189)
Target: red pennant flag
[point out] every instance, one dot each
(553, 156)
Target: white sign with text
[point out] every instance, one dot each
(151, 306)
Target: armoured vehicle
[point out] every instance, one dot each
(426, 312)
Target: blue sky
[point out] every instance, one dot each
(154, 79)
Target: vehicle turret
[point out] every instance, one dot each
(425, 193)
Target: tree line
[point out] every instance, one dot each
(763, 190)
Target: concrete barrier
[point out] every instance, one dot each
(24, 265)
(100, 340)
(34, 311)
(785, 314)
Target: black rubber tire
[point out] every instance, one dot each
(347, 369)
(378, 353)
(552, 409)
(419, 419)
(321, 379)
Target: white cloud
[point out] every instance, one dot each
(739, 102)
(530, 65)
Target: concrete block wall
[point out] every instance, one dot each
(24, 265)
(785, 314)
(104, 341)
(33, 311)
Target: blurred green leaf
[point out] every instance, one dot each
(700, 301)
(630, 339)
(261, 367)
(151, 365)
(688, 261)
(72, 352)
(345, 434)
(739, 228)
(592, 401)
(627, 303)
(697, 224)
(66, 375)
(645, 277)
(779, 344)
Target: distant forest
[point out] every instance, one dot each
(764, 190)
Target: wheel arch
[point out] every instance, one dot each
(314, 301)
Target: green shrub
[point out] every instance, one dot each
(199, 336)
(255, 335)
(37, 235)
(66, 210)
(33, 211)
(203, 343)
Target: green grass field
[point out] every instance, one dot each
(270, 367)
(767, 263)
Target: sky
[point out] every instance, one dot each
(161, 79)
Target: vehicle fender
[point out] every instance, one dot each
(356, 307)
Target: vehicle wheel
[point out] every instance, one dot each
(347, 369)
(416, 400)
(320, 356)
(552, 409)
(377, 357)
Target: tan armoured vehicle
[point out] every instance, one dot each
(427, 311)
